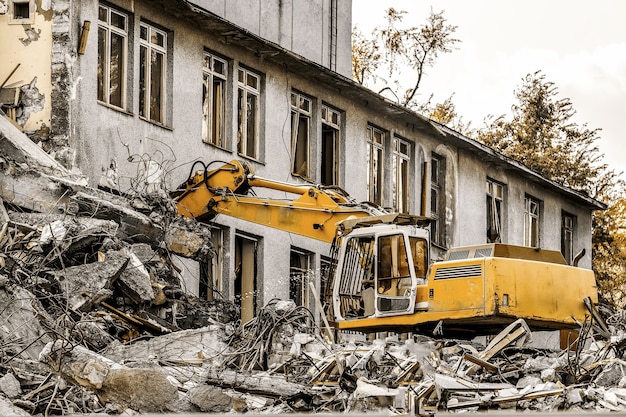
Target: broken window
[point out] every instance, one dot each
(401, 158)
(495, 196)
(22, 11)
(248, 97)
(152, 73)
(375, 162)
(112, 52)
(300, 134)
(211, 286)
(331, 119)
(214, 73)
(531, 222)
(300, 272)
(437, 199)
(568, 222)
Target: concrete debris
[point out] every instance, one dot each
(94, 320)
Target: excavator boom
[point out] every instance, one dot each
(306, 209)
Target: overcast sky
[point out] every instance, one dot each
(578, 45)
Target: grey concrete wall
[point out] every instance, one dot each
(301, 26)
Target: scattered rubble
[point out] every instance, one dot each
(93, 320)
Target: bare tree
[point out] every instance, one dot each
(414, 49)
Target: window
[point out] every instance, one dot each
(375, 161)
(495, 193)
(22, 11)
(246, 284)
(531, 222)
(112, 52)
(401, 158)
(568, 223)
(331, 120)
(211, 285)
(152, 73)
(437, 199)
(300, 134)
(299, 273)
(248, 96)
(214, 72)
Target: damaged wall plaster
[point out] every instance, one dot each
(32, 102)
(32, 35)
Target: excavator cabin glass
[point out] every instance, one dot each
(378, 274)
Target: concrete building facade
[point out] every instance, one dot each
(132, 93)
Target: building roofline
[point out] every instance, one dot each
(233, 34)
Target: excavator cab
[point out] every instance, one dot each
(378, 270)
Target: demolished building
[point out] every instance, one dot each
(102, 285)
(76, 81)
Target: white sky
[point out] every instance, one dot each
(578, 45)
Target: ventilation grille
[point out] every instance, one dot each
(459, 272)
(455, 256)
(483, 253)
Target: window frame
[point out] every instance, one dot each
(146, 85)
(532, 221)
(375, 174)
(303, 276)
(21, 20)
(568, 234)
(401, 165)
(301, 110)
(331, 124)
(243, 87)
(212, 134)
(437, 199)
(494, 201)
(104, 83)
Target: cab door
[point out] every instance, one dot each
(395, 279)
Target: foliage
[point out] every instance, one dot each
(542, 136)
(609, 253)
(444, 113)
(415, 48)
(365, 57)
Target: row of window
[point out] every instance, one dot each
(532, 217)
(114, 32)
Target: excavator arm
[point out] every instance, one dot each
(230, 189)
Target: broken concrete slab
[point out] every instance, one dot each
(83, 285)
(8, 409)
(210, 399)
(24, 323)
(18, 146)
(135, 281)
(133, 225)
(205, 346)
(10, 386)
(189, 239)
(141, 389)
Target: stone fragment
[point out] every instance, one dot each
(9, 410)
(83, 283)
(10, 386)
(210, 399)
(142, 389)
(135, 282)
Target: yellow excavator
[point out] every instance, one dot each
(382, 278)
